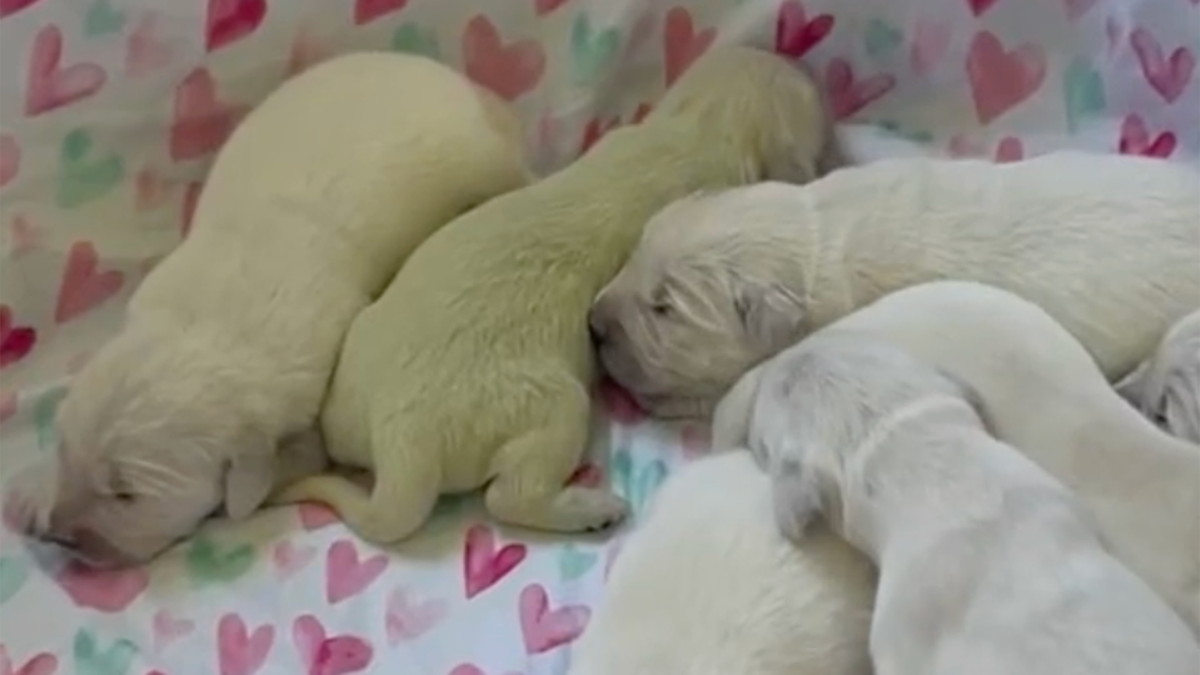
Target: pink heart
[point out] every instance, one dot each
(49, 85)
(228, 21)
(795, 33)
(290, 558)
(1077, 8)
(42, 664)
(345, 575)
(544, 7)
(10, 159)
(978, 7)
(1135, 140)
(144, 52)
(108, 591)
(483, 565)
(167, 629)
(366, 11)
(1002, 79)
(16, 341)
(338, 655)
(200, 122)
(848, 96)
(83, 285)
(8, 7)
(543, 629)
(1169, 77)
(682, 43)
(930, 42)
(509, 70)
(314, 516)
(1010, 149)
(408, 619)
(239, 652)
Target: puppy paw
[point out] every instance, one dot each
(584, 509)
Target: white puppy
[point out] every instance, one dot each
(988, 564)
(1107, 244)
(708, 586)
(1166, 387)
(228, 345)
(1040, 392)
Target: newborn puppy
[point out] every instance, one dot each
(474, 367)
(1041, 392)
(707, 586)
(1107, 244)
(988, 564)
(228, 345)
(1166, 387)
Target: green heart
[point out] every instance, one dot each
(208, 564)
(83, 180)
(102, 18)
(912, 135)
(89, 660)
(13, 574)
(881, 39)
(590, 50)
(1083, 91)
(573, 563)
(414, 39)
(44, 412)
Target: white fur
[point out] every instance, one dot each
(1166, 386)
(1107, 244)
(988, 565)
(1043, 394)
(227, 347)
(708, 586)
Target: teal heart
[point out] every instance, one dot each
(912, 135)
(207, 563)
(881, 39)
(1083, 93)
(638, 484)
(14, 572)
(621, 469)
(650, 479)
(591, 50)
(84, 178)
(44, 412)
(102, 19)
(414, 39)
(573, 563)
(91, 660)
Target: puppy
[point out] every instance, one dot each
(474, 367)
(988, 564)
(1166, 387)
(228, 345)
(707, 586)
(1040, 391)
(1106, 244)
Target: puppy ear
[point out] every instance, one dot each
(797, 499)
(771, 315)
(248, 481)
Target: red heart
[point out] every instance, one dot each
(978, 7)
(483, 565)
(1001, 79)
(848, 96)
(1135, 140)
(1168, 77)
(544, 7)
(595, 130)
(144, 53)
(242, 652)
(191, 195)
(15, 341)
(10, 159)
(508, 70)
(8, 7)
(1010, 149)
(681, 43)
(366, 11)
(795, 35)
(50, 86)
(231, 20)
(83, 286)
(201, 122)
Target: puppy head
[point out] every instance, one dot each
(837, 390)
(695, 306)
(143, 458)
(1166, 387)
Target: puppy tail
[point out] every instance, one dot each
(385, 515)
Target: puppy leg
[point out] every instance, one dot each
(532, 470)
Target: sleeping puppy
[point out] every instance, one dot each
(1040, 391)
(988, 565)
(228, 345)
(474, 367)
(707, 586)
(1106, 244)
(1166, 387)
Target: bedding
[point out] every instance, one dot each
(111, 110)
